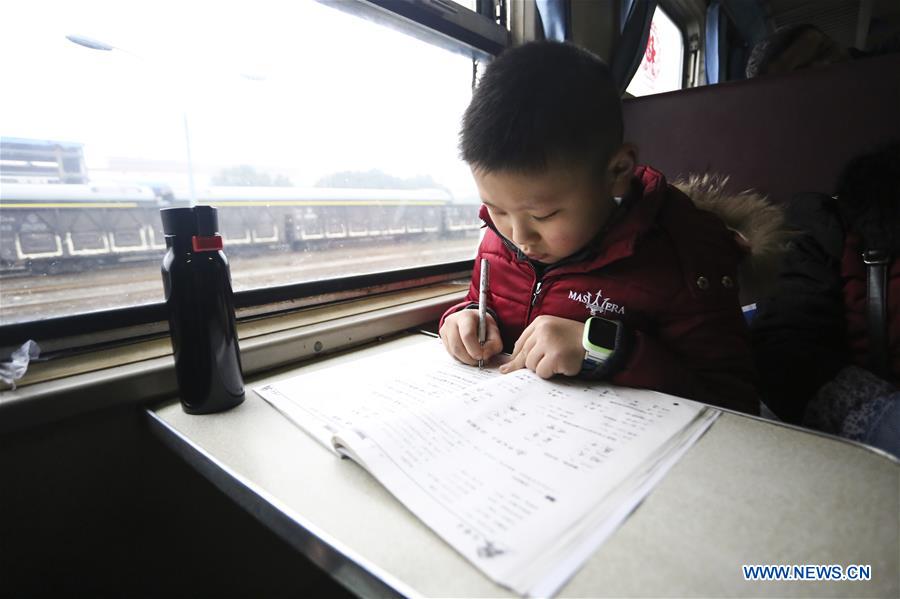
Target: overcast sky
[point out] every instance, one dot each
(333, 92)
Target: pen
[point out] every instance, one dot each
(482, 305)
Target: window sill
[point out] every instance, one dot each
(144, 371)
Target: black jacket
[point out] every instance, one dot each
(799, 335)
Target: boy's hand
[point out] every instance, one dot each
(460, 337)
(550, 345)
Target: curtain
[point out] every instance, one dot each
(715, 40)
(732, 28)
(630, 48)
(624, 11)
(554, 18)
(749, 18)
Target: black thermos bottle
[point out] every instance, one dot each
(197, 283)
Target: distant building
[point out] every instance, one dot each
(25, 160)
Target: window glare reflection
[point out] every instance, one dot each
(195, 97)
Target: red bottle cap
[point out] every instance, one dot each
(207, 244)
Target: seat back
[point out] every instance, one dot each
(779, 134)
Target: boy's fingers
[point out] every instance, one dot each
(521, 341)
(455, 346)
(494, 343)
(492, 348)
(534, 357)
(520, 357)
(492, 329)
(515, 364)
(460, 353)
(546, 367)
(468, 332)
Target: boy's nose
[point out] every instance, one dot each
(523, 235)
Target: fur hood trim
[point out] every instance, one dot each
(759, 225)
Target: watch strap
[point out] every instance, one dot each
(616, 360)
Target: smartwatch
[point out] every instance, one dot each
(600, 340)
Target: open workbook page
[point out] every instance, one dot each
(516, 473)
(381, 386)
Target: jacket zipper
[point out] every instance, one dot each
(536, 289)
(535, 292)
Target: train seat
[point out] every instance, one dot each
(779, 135)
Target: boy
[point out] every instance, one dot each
(598, 268)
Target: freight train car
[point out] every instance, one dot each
(51, 228)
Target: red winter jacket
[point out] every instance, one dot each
(665, 269)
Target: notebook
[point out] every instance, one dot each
(524, 477)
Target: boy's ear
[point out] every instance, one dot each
(620, 169)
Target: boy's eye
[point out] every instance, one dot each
(546, 216)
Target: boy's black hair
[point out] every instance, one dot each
(541, 104)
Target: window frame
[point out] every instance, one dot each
(443, 23)
(65, 335)
(681, 19)
(439, 22)
(676, 19)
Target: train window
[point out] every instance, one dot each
(661, 67)
(327, 141)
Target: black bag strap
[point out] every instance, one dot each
(877, 262)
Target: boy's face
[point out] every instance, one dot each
(550, 215)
